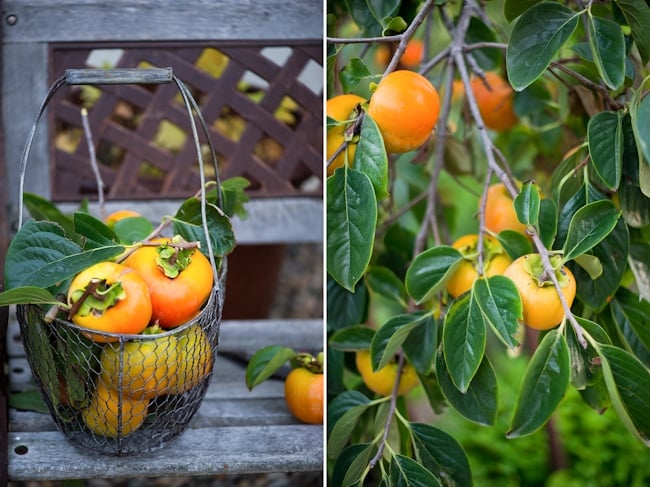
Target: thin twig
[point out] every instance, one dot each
(388, 222)
(481, 222)
(407, 34)
(363, 40)
(93, 162)
(588, 83)
(438, 162)
(391, 412)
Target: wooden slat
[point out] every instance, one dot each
(270, 220)
(236, 336)
(96, 20)
(208, 451)
(234, 431)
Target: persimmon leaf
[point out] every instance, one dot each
(266, 362)
(351, 223)
(544, 384)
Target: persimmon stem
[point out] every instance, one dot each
(90, 290)
(352, 130)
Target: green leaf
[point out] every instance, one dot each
(536, 38)
(33, 246)
(41, 209)
(405, 471)
(463, 340)
(188, 223)
(393, 25)
(234, 197)
(441, 454)
(28, 401)
(608, 50)
(266, 362)
(499, 301)
(547, 222)
(640, 113)
(421, 344)
(370, 156)
(514, 8)
(354, 73)
(345, 308)
(591, 264)
(589, 226)
(383, 282)
(429, 270)
(580, 196)
(352, 338)
(342, 416)
(639, 261)
(358, 464)
(390, 336)
(27, 295)
(631, 152)
(527, 204)
(487, 58)
(95, 232)
(369, 15)
(637, 15)
(545, 382)
(634, 205)
(581, 358)
(612, 255)
(644, 178)
(347, 464)
(628, 384)
(133, 229)
(605, 135)
(632, 317)
(40, 256)
(514, 243)
(351, 223)
(479, 403)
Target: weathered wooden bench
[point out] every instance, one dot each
(235, 430)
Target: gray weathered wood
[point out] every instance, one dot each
(97, 20)
(23, 88)
(269, 221)
(206, 451)
(234, 431)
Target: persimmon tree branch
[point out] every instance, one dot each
(438, 162)
(503, 176)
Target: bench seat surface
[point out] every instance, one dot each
(234, 431)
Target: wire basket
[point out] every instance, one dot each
(120, 394)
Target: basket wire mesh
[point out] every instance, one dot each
(120, 394)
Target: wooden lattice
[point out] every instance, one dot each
(265, 121)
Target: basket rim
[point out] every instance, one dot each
(124, 337)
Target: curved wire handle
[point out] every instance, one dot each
(128, 76)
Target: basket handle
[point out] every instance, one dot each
(120, 76)
(134, 76)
